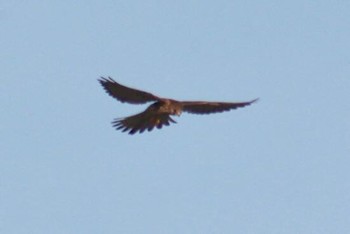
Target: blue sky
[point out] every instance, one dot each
(278, 166)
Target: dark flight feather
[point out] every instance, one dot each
(212, 107)
(126, 94)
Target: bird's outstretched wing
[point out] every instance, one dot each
(146, 120)
(126, 94)
(212, 107)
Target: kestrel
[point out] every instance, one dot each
(159, 112)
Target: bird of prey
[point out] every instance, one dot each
(159, 112)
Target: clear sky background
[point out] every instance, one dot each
(278, 166)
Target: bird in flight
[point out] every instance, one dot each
(159, 112)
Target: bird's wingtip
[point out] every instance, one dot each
(255, 100)
(104, 79)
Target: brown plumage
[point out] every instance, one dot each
(158, 113)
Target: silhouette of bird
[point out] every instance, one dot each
(159, 112)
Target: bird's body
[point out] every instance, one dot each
(159, 112)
